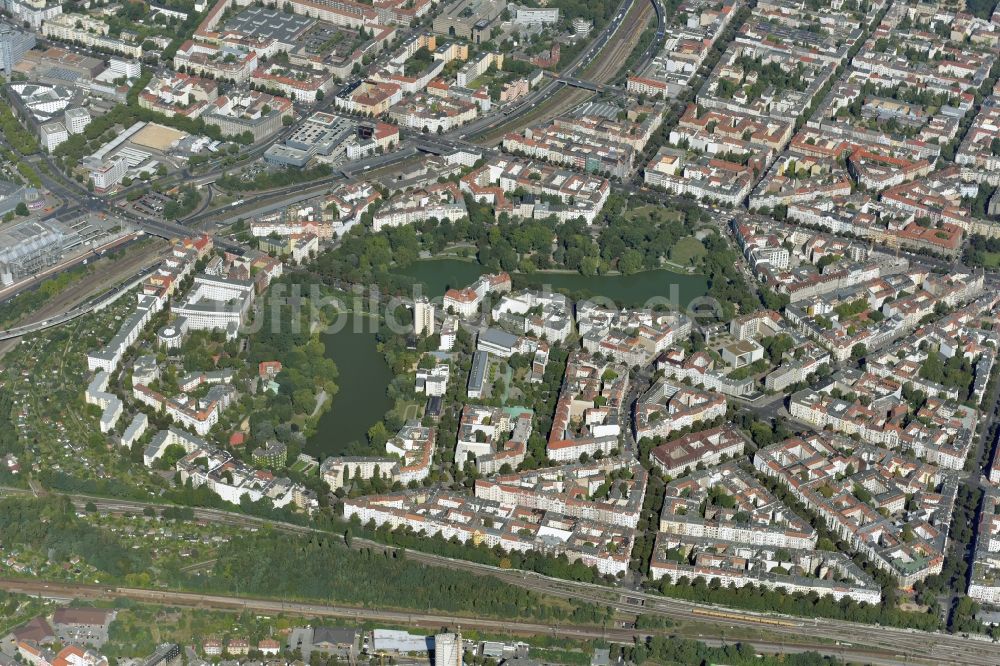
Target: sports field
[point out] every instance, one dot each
(157, 137)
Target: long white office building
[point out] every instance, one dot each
(110, 356)
(97, 394)
(216, 303)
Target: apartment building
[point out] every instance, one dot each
(442, 201)
(606, 491)
(588, 418)
(668, 407)
(179, 94)
(259, 113)
(492, 438)
(738, 565)
(223, 63)
(425, 112)
(216, 303)
(369, 98)
(512, 528)
(704, 448)
(89, 31)
(737, 509)
(408, 460)
(110, 356)
(97, 394)
(501, 181)
(465, 302)
(984, 581)
(861, 492)
(53, 134)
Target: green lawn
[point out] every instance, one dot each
(407, 410)
(301, 466)
(654, 213)
(687, 251)
(990, 259)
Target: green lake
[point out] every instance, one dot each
(364, 376)
(361, 400)
(438, 275)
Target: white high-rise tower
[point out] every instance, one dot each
(423, 317)
(448, 650)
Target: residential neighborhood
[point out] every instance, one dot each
(486, 332)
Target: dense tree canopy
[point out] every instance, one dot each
(323, 568)
(52, 526)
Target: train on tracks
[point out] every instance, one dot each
(741, 617)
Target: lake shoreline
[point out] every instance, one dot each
(672, 268)
(643, 289)
(361, 400)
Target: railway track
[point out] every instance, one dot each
(428, 620)
(939, 647)
(600, 70)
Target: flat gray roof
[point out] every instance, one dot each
(495, 336)
(480, 361)
(269, 23)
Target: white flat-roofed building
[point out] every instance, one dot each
(76, 120)
(401, 642)
(14, 43)
(135, 430)
(449, 333)
(108, 173)
(97, 394)
(581, 26)
(130, 69)
(448, 650)
(110, 356)
(423, 317)
(433, 381)
(53, 134)
(476, 67)
(535, 15)
(216, 303)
